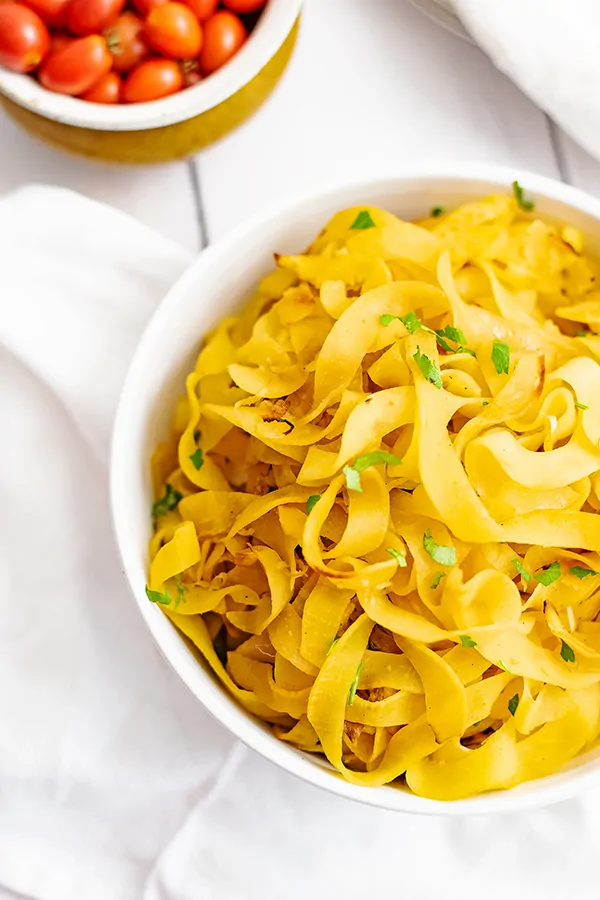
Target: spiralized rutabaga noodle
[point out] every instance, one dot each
(377, 513)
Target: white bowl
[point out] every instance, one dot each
(273, 27)
(215, 286)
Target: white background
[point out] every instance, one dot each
(373, 85)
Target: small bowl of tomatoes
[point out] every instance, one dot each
(140, 80)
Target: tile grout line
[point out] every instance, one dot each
(556, 134)
(203, 234)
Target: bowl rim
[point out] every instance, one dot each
(222, 707)
(273, 27)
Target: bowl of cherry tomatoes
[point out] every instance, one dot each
(140, 80)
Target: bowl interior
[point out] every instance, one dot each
(267, 37)
(216, 286)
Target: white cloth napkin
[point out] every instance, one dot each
(550, 49)
(114, 783)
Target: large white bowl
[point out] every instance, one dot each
(215, 286)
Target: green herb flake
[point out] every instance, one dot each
(549, 575)
(197, 436)
(437, 211)
(363, 220)
(467, 641)
(566, 652)
(525, 575)
(180, 590)
(436, 579)
(581, 571)
(312, 502)
(513, 704)
(445, 556)
(429, 370)
(581, 334)
(411, 321)
(387, 319)
(332, 645)
(352, 479)
(197, 458)
(581, 405)
(501, 357)
(399, 557)
(523, 202)
(158, 597)
(453, 334)
(167, 503)
(485, 403)
(354, 686)
(376, 458)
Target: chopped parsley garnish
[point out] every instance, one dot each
(197, 458)
(436, 579)
(429, 370)
(581, 405)
(513, 704)
(437, 211)
(374, 458)
(354, 686)
(581, 571)
(410, 321)
(450, 333)
(166, 503)
(445, 556)
(158, 597)
(387, 319)
(566, 652)
(525, 575)
(549, 575)
(363, 220)
(581, 334)
(523, 202)
(501, 357)
(399, 557)
(311, 502)
(467, 641)
(485, 403)
(180, 590)
(197, 436)
(332, 645)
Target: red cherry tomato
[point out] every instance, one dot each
(53, 12)
(224, 34)
(244, 6)
(152, 80)
(204, 9)
(190, 69)
(126, 42)
(24, 39)
(107, 90)
(145, 7)
(76, 68)
(174, 31)
(92, 16)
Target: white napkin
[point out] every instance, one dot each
(550, 49)
(114, 783)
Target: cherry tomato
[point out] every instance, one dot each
(152, 80)
(224, 34)
(53, 12)
(126, 42)
(244, 6)
(92, 16)
(204, 9)
(24, 39)
(107, 90)
(174, 31)
(77, 67)
(145, 7)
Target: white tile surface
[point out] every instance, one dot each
(161, 196)
(372, 85)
